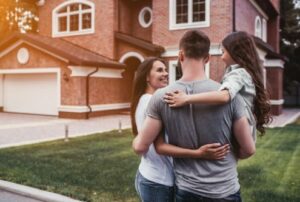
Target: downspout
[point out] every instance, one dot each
(233, 16)
(88, 92)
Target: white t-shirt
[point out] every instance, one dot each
(154, 167)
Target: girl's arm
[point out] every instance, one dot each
(180, 98)
(214, 151)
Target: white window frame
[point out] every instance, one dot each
(190, 24)
(258, 27)
(55, 17)
(264, 30)
(141, 17)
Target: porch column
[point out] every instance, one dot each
(274, 75)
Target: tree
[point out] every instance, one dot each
(290, 45)
(18, 15)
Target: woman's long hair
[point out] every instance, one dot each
(140, 86)
(242, 49)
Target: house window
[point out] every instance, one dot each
(258, 27)
(73, 18)
(185, 14)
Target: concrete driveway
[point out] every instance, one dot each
(20, 129)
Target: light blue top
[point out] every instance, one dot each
(154, 167)
(237, 80)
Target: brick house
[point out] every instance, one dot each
(83, 59)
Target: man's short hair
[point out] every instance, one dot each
(195, 44)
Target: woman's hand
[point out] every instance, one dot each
(176, 98)
(214, 151)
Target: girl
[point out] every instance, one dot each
(243, 75)
(154, 180)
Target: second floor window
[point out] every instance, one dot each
(189, 14)
(73, 18)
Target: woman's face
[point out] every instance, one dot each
(158, 76)
(226, 57)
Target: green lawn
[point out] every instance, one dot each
(101, 167)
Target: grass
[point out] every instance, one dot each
(102, 167)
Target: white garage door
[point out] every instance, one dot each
(31, 93)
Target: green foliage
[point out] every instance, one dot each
(290, 42)
(18, 15)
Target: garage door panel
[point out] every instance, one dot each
(31, 93)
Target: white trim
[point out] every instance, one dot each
(170, 52)
(262, 54)
(141, 17)
(215, 49)
(274, 63)
(102, 72)
(277, 102)
(55, 16)
(264, 30)
(109, 73)
(15, 45)
(258, 27)
(95, 108)
(172, 16)
(207, 70)
(131, 54)
(172, 71)
(38, 71)
(260, 11)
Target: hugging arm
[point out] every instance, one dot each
(242, 133)
(214, 151)
(180, 98)
(150, 130)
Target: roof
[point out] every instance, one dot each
(139, 43)
(76, 55)
(271, 54)
(267, 7)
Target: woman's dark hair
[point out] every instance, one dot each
(139, 87)
(241, 47)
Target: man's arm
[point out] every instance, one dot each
(243, 136)
(150, 130)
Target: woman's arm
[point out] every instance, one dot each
(180, 98)
(214, 151)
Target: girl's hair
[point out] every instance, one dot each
(139, 87)
(241, 47)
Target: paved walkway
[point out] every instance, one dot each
(20, 129)
(288, 116)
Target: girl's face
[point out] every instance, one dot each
(158, 76)
(226, 57)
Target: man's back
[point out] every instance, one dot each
(195, 125)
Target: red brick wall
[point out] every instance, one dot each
(217, 68)
(273, 33)
(275, 80)
(220, 23)
(101, 41)
(245, 16)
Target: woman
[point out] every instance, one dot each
(155, 180)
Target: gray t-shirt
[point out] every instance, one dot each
(195, 125)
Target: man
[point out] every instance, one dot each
(195, 125)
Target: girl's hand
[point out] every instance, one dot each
(176, 98)
(214, 151)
